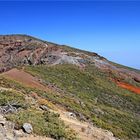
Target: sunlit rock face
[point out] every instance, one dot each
(16, 50)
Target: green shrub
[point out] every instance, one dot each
(47, 123)
(11, 97)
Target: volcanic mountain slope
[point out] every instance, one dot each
(20, 50)
(94, 89)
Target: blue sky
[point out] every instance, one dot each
(110, 28)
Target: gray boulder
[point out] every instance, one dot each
(27, 127)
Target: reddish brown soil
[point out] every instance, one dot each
(128, 87)
(25, 78)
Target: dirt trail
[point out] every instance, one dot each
(85, 130)
(31, 137)
(129, 87)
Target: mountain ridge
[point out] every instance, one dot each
(28, 50)
(93, 89)
(18, 41)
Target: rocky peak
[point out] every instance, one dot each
(18, 50)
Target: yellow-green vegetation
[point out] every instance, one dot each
(91, 93)
(47, 123)
(88, 92)
(10, 96)
(44, 123)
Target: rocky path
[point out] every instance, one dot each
(85, 130)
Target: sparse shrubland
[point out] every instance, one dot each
(44, 123)
(116, 109)
(89, 89)
(88, 92)
(10, 96)
(47, 123)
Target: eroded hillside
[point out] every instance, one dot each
(48, 79)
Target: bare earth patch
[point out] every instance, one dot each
(129, 87)
(24, 78)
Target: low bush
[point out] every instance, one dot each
(47, 123)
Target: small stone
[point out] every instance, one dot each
(72, 115)
(2, 120)
(82, 104)
(81, 117)
(18, 133)
(98, 111)
(27, 128)
(45, 108)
